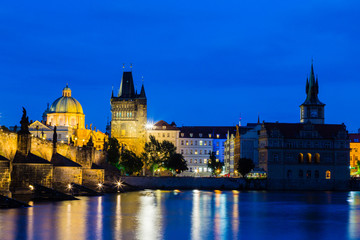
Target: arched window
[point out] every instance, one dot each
(301, 158)
(317, 158)
(308, 158)
(289, 174)
(328, 174)
(316, 173)
(301, 173)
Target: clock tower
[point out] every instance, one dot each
(312, 110)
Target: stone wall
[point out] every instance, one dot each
(194, 183)
(5, 178)
(24, 174)
(65, 175)
(91, 177)
(8, 144)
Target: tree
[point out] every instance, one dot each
(113, 154)
(129, 162)
(163, 154)
(177, 163)
(215, 165)
(245, 165)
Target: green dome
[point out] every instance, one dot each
(66, 103)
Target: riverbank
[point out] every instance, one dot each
(201, 183)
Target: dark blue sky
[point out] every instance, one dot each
(203, 62)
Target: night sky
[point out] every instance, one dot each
(203, 62)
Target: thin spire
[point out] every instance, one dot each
(130, 67)
(258, 118)
(112, 92)
(123, 67)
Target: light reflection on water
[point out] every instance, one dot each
(190, 215)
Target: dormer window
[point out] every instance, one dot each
(182, 134)
(217, 135)
(209, 135)
(191, 135)
(200, 134)
(163, 127)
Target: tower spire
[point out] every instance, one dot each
(142, 92)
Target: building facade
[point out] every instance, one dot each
(354, 153)
(196, 144)
(163, 131)
(129, 115)
(309, 155)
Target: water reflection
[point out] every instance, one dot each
(189, 215)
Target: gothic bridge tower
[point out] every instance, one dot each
(312, 110)
(129, 115)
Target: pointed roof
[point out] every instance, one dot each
(61, 161)
(2, 158)
(30, 158)
(127, 89)
(312, 89)
(142, 92)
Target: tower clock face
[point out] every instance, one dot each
(314, 113)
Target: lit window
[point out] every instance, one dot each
(195, 161)
(301, 158)
(200, 169)
(217, 160)
(163, 134)
(191, 143)
(328, 174)
(182, 134)
(217, 152)
(191, 135)
(187, 143)
(308, 158)
(205, 160)
(209, 135)
(217, 135)
(196, 152)
(317, 158)
(200, 143)
(205, 143)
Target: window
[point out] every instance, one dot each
(276, 158)
(199, 160)
(200, 143)
(328, 174)
(308, 174)
(317, 158)
(182, 134)
(200, 134)
(289, 173)
(205, 160)
(59, 135)
(182, 142)
(308, 158)
(195, 143)
(205, 143)
(200, 151)
(163, 134)
(191, 169)
(191, 152)
(191, 135)
(301, 173)
(182, 151)
(187, 143)
(217, 152)
(196, 152)
(316, 173)
(209, 135)
(168, 135)
(205, 151)
(200, 169)
(190, 160)
(217, 135)
(191, 143)
(217, 160)
(217, 144)
(301, 158)
(209, 143)
(186, 151)
(195, 161)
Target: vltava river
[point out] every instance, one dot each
(190, 215)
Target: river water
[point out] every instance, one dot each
(190, 215)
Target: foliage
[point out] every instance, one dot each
(129, 162)
(176, 163)
(113, 154)
(245, 165)
(163, 154)
(215, 166)
(24, 123)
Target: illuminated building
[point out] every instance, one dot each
(196, 144)
(66, 113)
(309, 155)
(129, 115)
(244, 144)
(164, 131)
(354, 152)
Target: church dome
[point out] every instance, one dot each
(66, 103)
